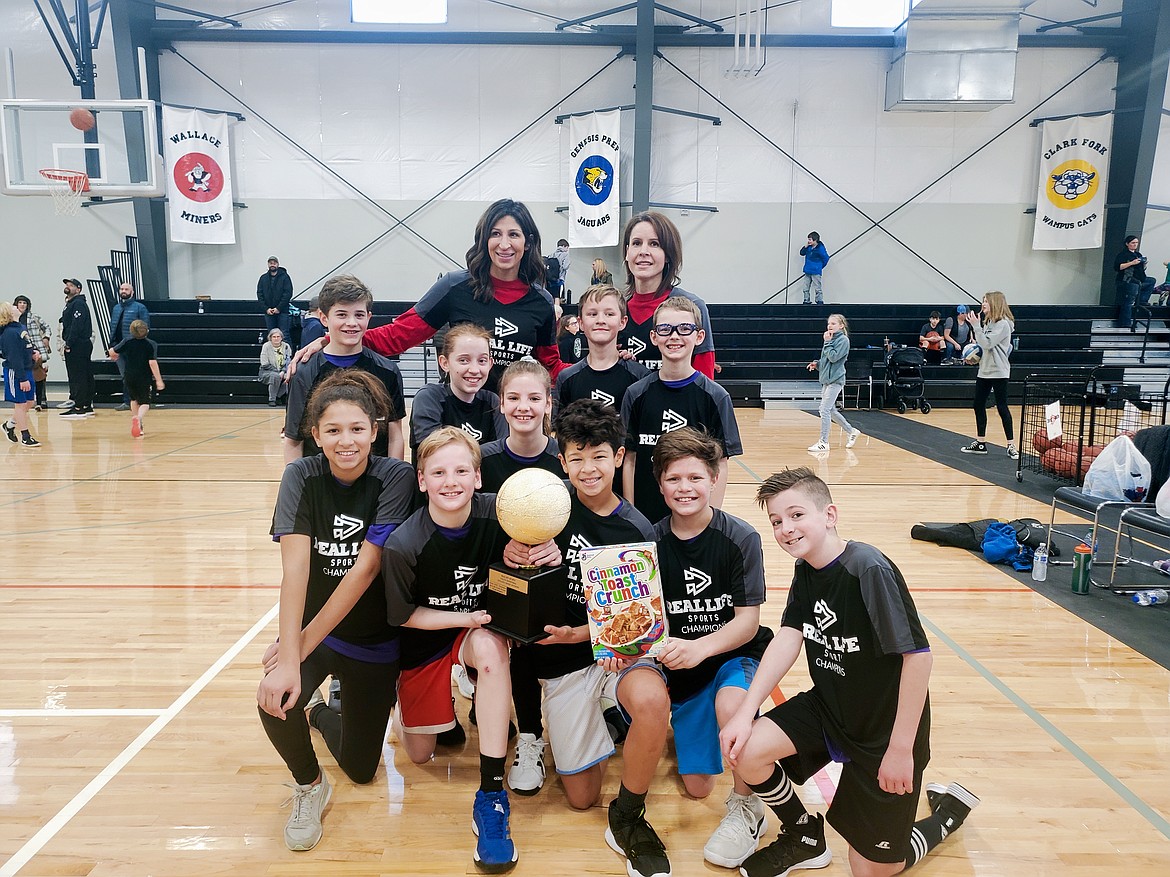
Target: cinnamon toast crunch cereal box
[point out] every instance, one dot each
(623, 598)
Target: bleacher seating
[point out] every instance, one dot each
(213, 356)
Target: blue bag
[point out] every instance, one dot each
(1000, 544)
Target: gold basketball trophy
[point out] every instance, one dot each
(532, 506)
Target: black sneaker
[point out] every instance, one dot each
(29, 442)
(953, 806)
(801, 847)
(334, 698)
(934, 793)
(475, 724)
(635, 839)
(975, 447)
(452, 736)
(10, 431)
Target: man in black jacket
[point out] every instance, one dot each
(77, 338)
(274, 291)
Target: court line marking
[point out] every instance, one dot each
(145, 460)
(62, 818)
(70, 713)
(1095, 767)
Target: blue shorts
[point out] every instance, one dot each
(696, 727)
(12, 391)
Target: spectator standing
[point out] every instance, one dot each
(41, 337)
(956, 334)
(311, 326)
(274, 290)
(19, 389)
(995, 340)
(561, 253)
(77, 339)
(125, 312)
(570, 342)
(274, 357)
(816, 257)
(831, 369)
(1133, 286)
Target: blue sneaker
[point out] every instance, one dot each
(494, 851)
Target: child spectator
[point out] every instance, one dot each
(274, 357)
(570, 343)
(712, 569)
(956, 334)
(930, 339)
(141, 357)
(868, 708)
(435, 568)
(672, 398)
(347, 637)
(831, 368)
(464, 402)
(311, 326)
(816, 257)
(41, 338)
(345, 303)
(19, 385)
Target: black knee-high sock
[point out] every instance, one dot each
(927, 834)
(779, 794)
(526, 692)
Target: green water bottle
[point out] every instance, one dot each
(1082, 568)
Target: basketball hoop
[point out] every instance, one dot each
(66, 187)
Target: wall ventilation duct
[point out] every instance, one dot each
(956, 55)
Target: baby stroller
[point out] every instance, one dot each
(904, 383)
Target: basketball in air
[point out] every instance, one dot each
(972, 353)
(533, 506)
(82, 119)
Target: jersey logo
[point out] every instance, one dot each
(504, 328)
(578, 541)
(696, 580)
(472, 431)
(826, 617)
(882, 845)
(344, 526)
(636, 346)
(603, 398)
(463, 574)
(672, 420)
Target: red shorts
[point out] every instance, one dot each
(425, 705)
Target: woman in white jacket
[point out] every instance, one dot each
(274, 357)
(995, 340)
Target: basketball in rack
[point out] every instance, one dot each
(66, 187)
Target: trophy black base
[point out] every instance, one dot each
(522, 601)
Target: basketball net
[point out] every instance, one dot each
(66, 187)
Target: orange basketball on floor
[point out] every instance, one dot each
(1041, 442)
(82, 119)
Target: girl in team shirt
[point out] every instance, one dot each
(465, 402)
(653, 254)
(526, 400)
(333, 513)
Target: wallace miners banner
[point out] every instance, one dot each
(1070, 203)
(593, 179)
(199, 177)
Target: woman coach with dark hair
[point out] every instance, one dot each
(502, 290)
(1132, 283)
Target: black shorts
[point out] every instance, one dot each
(875, 823)
(139, 390)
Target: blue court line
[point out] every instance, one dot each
(1152, 816)
(1123, 791)
(102, 475)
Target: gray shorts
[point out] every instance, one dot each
(576, 726)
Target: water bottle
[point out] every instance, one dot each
(1091, 541)
(1082, 571)
(1152, 597)
(200, 306)
(1040, 563)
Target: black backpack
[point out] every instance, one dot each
(552, 267)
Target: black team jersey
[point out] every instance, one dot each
(426, 565)
(499, 463)
(311, 373)
(435, 406)
(336, 517)
(517, 329)
(608, 386)
(636, 336)
(703, 580)
(585, 529)
(653, 407)
(858, 619)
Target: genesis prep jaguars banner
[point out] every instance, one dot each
(1070, 203)
(593, 179)
(199, 177)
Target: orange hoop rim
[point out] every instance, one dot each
(78, 181)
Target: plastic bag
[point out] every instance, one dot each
(1119, 472)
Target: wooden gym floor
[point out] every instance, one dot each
(139, 589)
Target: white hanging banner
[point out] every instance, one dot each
(199, 177)
(593, 179)
(1070, 201)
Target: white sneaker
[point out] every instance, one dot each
(1013, 453)
(466, 686)
(68, 403)
(738, 834)
(853, 437)
(819, 448)
(303, 829)
(526, 775)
